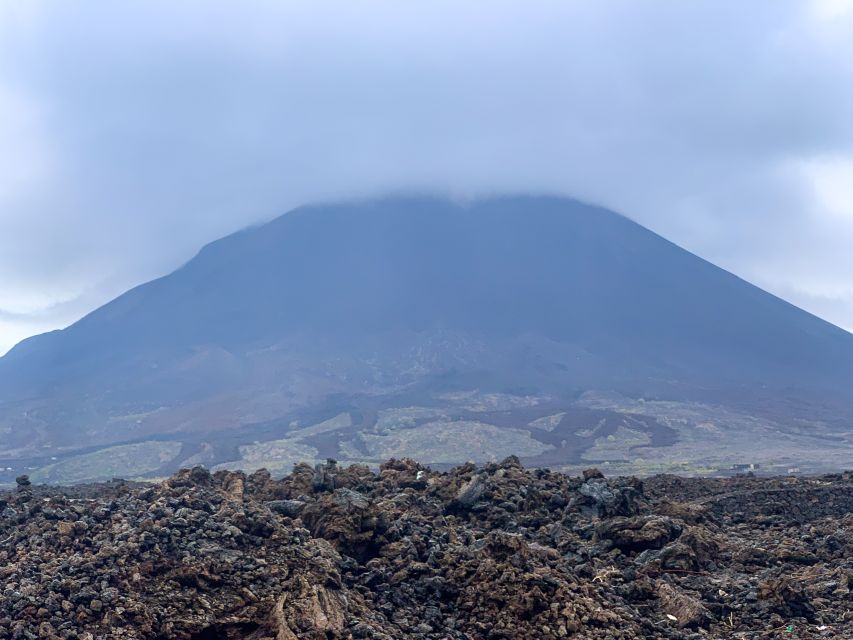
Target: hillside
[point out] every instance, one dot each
(541, 327)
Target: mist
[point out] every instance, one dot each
(131, 135)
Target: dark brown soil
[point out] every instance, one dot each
(479, 552)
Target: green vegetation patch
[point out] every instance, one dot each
(616, 446)
(405, 417)
(123, 461)
(478, 401)
(447, 442)
(340, 421)
(547, 423)
(277, 456)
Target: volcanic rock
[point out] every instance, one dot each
(486, 552)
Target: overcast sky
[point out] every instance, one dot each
(131, 133)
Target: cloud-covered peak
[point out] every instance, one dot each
(132, 134)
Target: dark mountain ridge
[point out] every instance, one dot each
(545, 294)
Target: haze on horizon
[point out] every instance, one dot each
(132, 134)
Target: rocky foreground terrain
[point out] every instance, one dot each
(479, 552)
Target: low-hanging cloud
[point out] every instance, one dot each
(132, 133)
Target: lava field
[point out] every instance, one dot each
(494, 551)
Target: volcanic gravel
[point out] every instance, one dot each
(496, 551)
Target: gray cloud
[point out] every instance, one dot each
(132, 133)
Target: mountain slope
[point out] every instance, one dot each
(418, 296)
